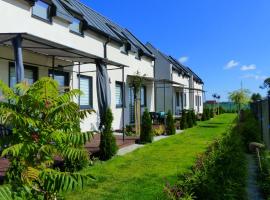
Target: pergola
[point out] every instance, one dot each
(32, 43)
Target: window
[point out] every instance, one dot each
(30, 74)
(62, 78)
(177, 99)
(85, 100)
(76, 26)
(41, 9)
(143, 96)
(200, 100)
(124, 49)
(119, 94)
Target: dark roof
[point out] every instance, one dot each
(103, 25)
(176, 65)
(195, 76)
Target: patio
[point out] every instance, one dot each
(92, 147)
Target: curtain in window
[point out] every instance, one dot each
(85, 88)
(118, 94)
(143, 97)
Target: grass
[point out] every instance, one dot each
(143, 173)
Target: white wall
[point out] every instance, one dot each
(18, 19)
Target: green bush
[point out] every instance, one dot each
(249, 128)
(183, 122)
(129, 130)
(158, 130)
(194, 117)
(108, 147)
(264, 174)
(218, 174)
(211, 113)
(190, 119)
(146, 130)
(204, 117)
(45, 125)
(170, 127)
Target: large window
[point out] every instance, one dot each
(30, 74)
(86, 87)
(62, 78)
(76, 26)
(118, 94)
(143, 96)
(42, 10)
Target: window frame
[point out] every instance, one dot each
(28, 67)
(145, 97)
(122, 86)
(49, 12)
(90, 105)
(60, 73)
(81, 33)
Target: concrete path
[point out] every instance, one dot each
(253, 190)
(133, 147)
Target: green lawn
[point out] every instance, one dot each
(143, 173)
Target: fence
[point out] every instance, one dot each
(261, 110)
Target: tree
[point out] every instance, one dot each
(217, 97)
(108, 147)
(183, 122)
(266, 85)
(189, 119)
(256, 97)
(137, 82)
(170, 127)
(194, 118)
(45, 124)
(240, 98)
(147, 130)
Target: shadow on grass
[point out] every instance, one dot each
(208, 126)
(216, 123)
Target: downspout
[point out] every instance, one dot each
(105, 47)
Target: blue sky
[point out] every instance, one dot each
(224, 42)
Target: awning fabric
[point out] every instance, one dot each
(103, 90)
(19, 68)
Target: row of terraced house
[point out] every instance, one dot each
(68, 41)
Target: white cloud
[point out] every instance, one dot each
(183, 59)
(231, 64)
(248, 67)
(254, 76)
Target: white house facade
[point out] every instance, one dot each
(177, 87)
(64, 39)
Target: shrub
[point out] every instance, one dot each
(108, 147)
(158, 130)
(264, 174)
(146, 130)
(129, 130)
(219, 173)
(45, 124)
(183, 122)
(170, 128)
(204, 117)
(249, 128)
(212, 113)
(190, 119)
(194, 117)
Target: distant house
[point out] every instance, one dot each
(177, 87)
(65, 39)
